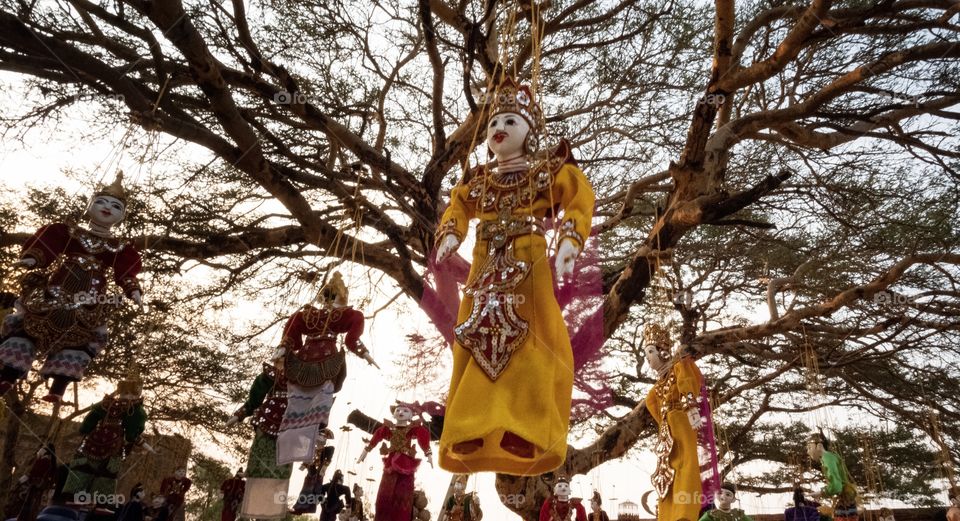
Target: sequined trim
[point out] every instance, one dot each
(568, 230)
(662, 478)
(494, 330)
(448, 227)
(93, 243)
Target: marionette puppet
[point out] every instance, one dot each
(111, 430)
(508, 409)
(886, 514)
(231, 490)
(158, 510)
(175, 488)
(65, 299)
(312, 490)
(560, 507)
(133, 509)
(336, 497)
(266, 480)
(395, 495)
(33, 488)
(724, 511)
(355, 508)
(803, 509)
(673, 404)
(839, 485)
(461, 505)
(315, 367)
(596, 510)
(420, 512)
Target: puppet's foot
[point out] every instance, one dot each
(467, 447)
(59, 386)
(516, 445)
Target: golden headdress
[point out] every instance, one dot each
(659, 336)
(131, 384)
(333, 289)
(517, 99)
(114, 189)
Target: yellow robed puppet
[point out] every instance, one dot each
(673, 404)
(508, 409)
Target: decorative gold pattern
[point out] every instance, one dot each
(71, 308)
(662, 478)
(400, 442)
(494, 329)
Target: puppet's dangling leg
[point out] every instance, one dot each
(16, 357)
(63, 367)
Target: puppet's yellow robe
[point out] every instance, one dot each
(530, 396)
(679, 387)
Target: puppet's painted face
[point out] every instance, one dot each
(594, 505)
(815, 450)
(158, 501)
(562, 489)
(506, 133)
(654, 358)
(402, 414)
(106, 211)
(458, 487)
(180, 473)
(725, 498)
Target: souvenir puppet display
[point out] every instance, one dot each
(839, 485)
(266, 480)
(724, 511)
(111, 430)
(461, 505)
(508, 409)
(315, 367)
(560, 507)
(596, 510)
(232, 491)
(673, 404)
(65, 300)
(395, 495)
(175, 488)
(312, 490)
